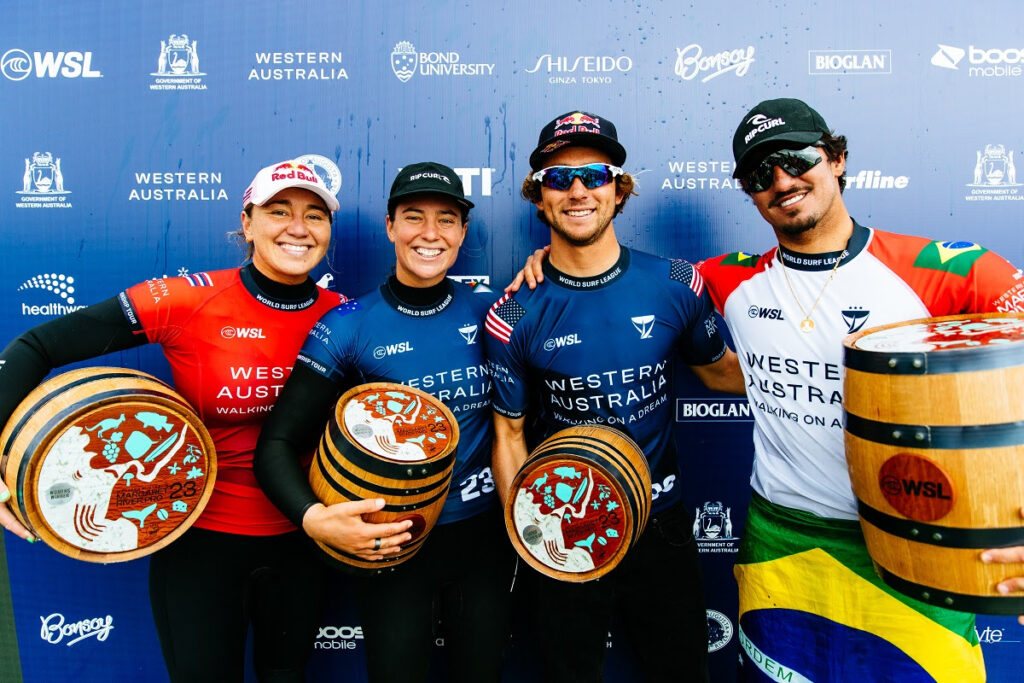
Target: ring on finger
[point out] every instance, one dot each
(376, 544)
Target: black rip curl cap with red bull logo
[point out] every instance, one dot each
(282, 175)
(582, 129)
(427, 177)
(774, 121)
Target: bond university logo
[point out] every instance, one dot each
(995, 175)
(712, 527)
(42, 183)
(61, 294)
(691, 62)
(403, 60)
(177, 65)
(17, 65)
(948, 57)
(644, 324)
(468, 332)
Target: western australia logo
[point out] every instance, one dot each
(407, 62)
(59, 285)
(177, 186)
(17, 65)
(42, 184)
(995, 175)
(691, 62)
(177, 65)
(298, 66)
(587, 69)
(701, 174)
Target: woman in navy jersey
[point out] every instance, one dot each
(242, 562)
(421, 329)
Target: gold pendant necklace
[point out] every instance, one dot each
(807, 324)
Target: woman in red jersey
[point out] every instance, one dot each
(242, 561)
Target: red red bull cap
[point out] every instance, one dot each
(578, 128)
(280, 176)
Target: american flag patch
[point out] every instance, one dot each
(199, 280)
(245, 197)
(683, 271)
(502, 317)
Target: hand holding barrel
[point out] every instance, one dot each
(7, 518)
(1012, 555)
(341, 526)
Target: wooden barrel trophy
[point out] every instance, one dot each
(935, 448)
(579, 502)
(393, 442)
(106, 464)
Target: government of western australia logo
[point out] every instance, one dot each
(42, 185)
(403, 60)
(177, 65)
(995, 175)
(712, 527)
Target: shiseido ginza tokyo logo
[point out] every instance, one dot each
(586, 69)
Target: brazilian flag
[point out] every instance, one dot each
(813, 609)
(740, 258)
(953, 257)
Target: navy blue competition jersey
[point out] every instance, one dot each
(604, 350)
(436, 348)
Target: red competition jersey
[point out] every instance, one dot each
(231, 346)
(794, 379)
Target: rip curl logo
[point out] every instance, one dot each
(760, 124)
(644, 324)
(692, 62)
(55, 629)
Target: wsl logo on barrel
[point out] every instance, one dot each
(177, 65)
(42, 183)
(712, 527)
(120, 479)
(916, 487)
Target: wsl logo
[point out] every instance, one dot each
(42, 184)
(764, 313)
(17, 65)
(565, 340)
(177, 65)
(995, 175)
(61, 286)
(391, 349)
(644, 324)
(712, 528)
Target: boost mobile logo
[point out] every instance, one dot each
(17, 65)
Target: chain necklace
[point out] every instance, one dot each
(807, 324)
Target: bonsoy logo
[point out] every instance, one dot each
(692, 62)
(56, 629)
(17, 65)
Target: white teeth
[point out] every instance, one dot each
(791, 200)
(429, 253)
(579, 213)
(295, 248)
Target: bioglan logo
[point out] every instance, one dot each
(559, 342)
(764, 313)
(338, 637)
(56, 629)
(17, 65)
(298, 66)
(691, 62)
(42, 184)
(242, 332)
(644, 324)
(61, 286)
(588, 70)
(983, 62)
(995, 175)
(392, 349)
(849, 62)
(407, 62)
(177, 65)
(709, 410)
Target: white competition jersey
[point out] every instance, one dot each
(795, 378)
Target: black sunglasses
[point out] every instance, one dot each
(592, 175)
(795, 162)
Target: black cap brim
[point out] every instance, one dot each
(763, 148)
(394, 199)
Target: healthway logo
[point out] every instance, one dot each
(982, 62)
(60, 285)
(17, 65)
(692, 62)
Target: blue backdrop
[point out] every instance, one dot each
(131, 129)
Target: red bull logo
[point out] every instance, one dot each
(294, 170)
(578, 119)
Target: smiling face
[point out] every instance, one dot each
(289, 233)
(794, 205)
(579, 216)
(427, 231)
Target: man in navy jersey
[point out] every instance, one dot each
(599, 341)
(421, 329)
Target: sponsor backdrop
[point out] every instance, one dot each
(131, 129)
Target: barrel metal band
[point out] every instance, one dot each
(411, 507)
(392, 469)
(340, 469)
(954, 437)
(959, 601)
(945, 362)
(942, 536)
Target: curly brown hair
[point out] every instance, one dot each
(624, 186)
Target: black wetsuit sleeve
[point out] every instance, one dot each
(86, 333)
(293, 428)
